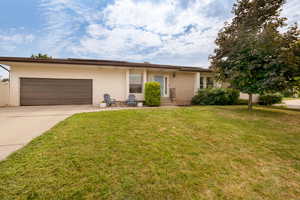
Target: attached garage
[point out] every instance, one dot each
(46, 91)
(72, 81)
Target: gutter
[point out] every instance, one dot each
(94, 62)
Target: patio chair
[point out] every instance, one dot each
(131, 100)
(109, 101)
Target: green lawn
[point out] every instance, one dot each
(290, 98)
(183, 153)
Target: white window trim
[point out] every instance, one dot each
(204, 81)
(213, 81)
(139, 96)
(168, 85)
(144, 76)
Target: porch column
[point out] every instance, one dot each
(204, 82)
(144, 79)
(218, 84)
(127, 84)
(197, 82)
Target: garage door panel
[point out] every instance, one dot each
(40, 91)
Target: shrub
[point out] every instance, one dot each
(288, 93)
(152, 94)
(216, 96)
(269, 99)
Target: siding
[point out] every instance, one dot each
(184, 84)
(4, 94)
(105, 80)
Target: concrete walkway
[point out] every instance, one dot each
(19, 125)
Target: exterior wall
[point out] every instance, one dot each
(112, 80)
(255, 97)
(105, 80)
(4, 94)
(185, 87)
(148, 75)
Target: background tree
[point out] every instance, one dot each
(42, 56)
(252, 54)
(4, 80)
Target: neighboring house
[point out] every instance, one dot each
(4, 91)
(83, 81)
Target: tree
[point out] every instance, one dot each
(41, 56)
(4, 80)
(253, 54)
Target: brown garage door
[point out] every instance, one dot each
(44, 91)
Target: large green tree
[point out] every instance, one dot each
(41, 56)
(256, 52)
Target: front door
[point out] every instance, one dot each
(163, 84)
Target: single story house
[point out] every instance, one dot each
(4, 86)
(36, 82)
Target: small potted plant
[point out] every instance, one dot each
(102, 104)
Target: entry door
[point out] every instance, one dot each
(163, 80)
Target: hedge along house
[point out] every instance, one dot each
(35, 82)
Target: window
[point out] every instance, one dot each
(209, 82)
(201, 82)
(135, 82)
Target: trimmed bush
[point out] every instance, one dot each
(152, 94)
(216, 96)
(269, 99)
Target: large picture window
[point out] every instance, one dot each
(135, 82)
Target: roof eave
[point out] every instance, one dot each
(74, 61)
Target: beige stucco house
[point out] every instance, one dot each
(83, 81)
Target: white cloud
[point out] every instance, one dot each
(116, 43)
(145, 30)
(17, 38)
(12, 42)
(162, 31)
(291, 10)
(11, 39)
(59, 28)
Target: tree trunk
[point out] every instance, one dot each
(250, 104)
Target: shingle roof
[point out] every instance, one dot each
(76, 61)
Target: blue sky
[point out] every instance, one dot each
(180, 32)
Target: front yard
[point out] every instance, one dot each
(183, 153)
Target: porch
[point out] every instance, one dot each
(177, 87)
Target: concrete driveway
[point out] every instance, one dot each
(19, 125)
(295, 104)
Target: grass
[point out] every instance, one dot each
(290, 98)
(184, 153)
